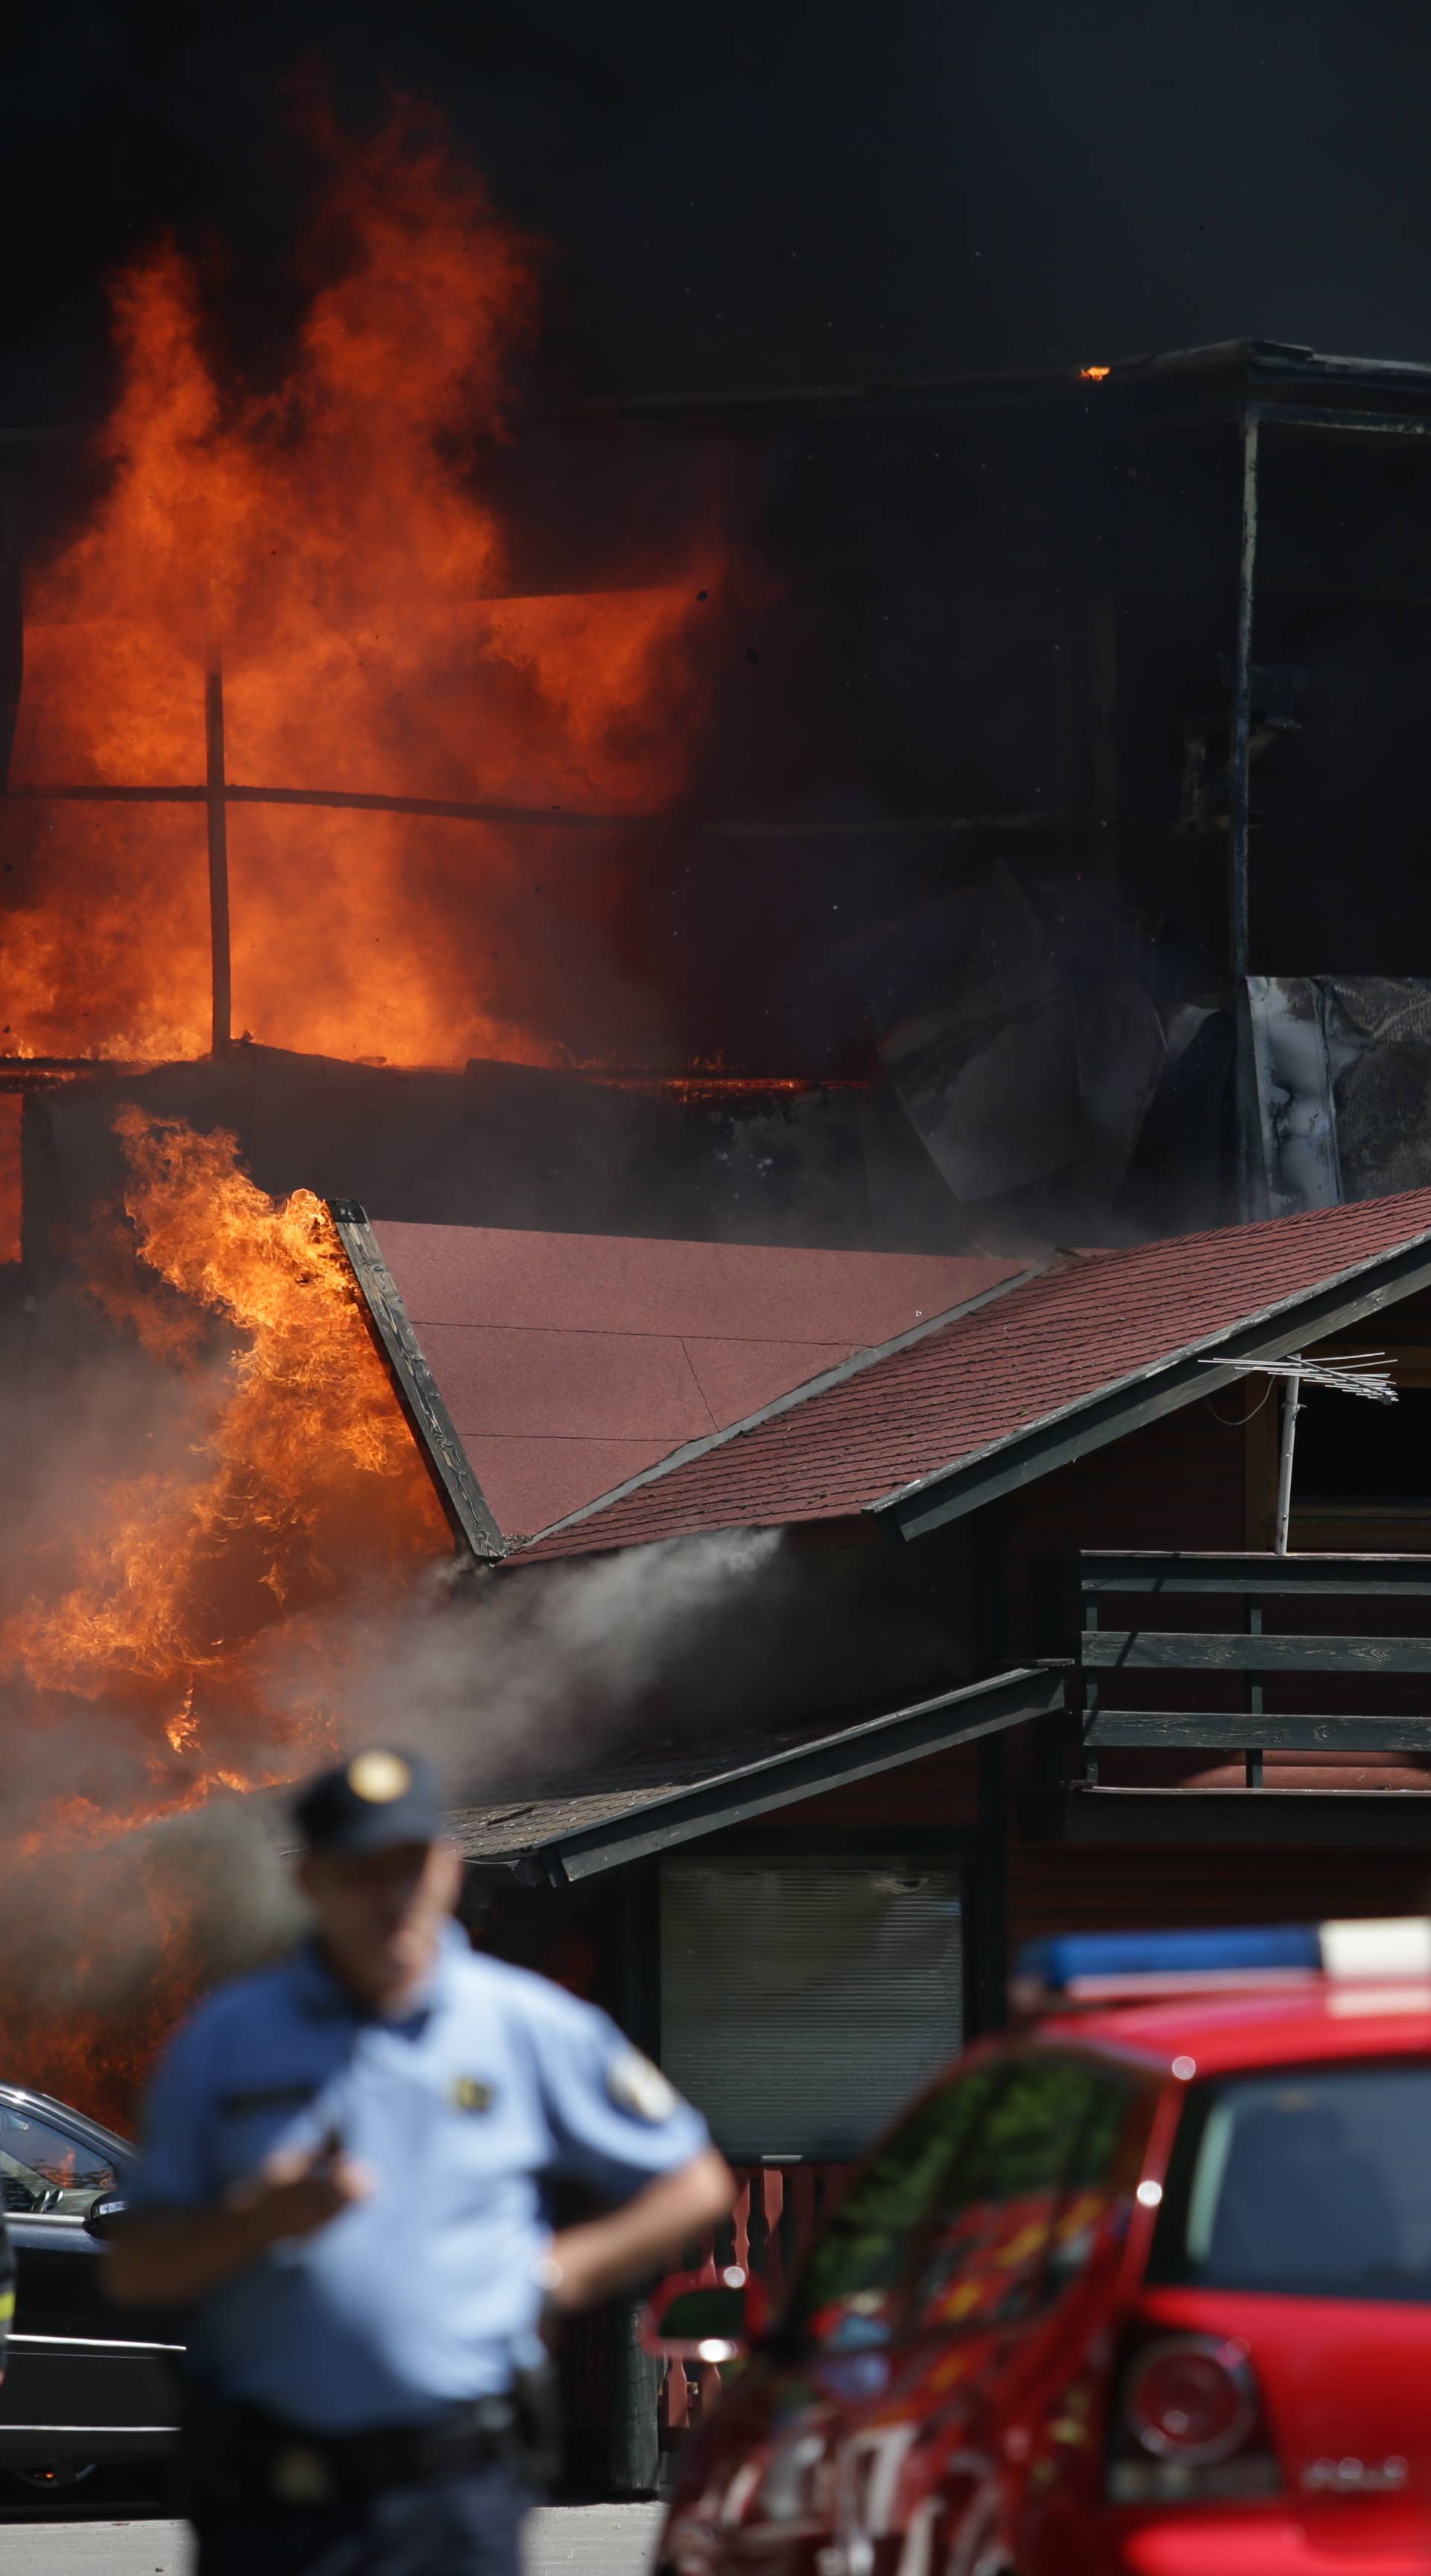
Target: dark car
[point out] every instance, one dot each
(84, 2383)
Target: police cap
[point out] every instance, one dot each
(376, 1798)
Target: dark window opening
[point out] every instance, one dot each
(1350, 1450)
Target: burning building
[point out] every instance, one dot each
(771, 869)
(905, 814)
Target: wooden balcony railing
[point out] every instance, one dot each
(774, 2217)
(1249, 1655)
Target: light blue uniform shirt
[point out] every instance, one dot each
(493, 2087)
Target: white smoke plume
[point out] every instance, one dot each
(525, 1670)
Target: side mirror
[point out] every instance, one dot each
(101, 2214)
(692, 2318)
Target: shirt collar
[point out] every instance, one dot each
(324, 1997)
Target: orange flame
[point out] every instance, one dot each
(333, 541)
(308, 1488)
(313, 1471)
(1094, 375)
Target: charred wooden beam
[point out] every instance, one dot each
(1231, 1729)
(1192, 1571)
(557, 818)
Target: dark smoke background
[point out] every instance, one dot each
(762, 194)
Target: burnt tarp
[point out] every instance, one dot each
(1342, 1068)
(982, 1045)
(1027, 1027)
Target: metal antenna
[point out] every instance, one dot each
(1365, 1373)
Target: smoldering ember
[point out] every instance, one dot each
(680, 1077)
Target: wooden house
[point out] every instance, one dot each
(1019, 1654)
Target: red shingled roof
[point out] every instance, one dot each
(570, 1362)
(1041, 1350)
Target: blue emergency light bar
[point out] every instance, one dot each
(1087, 1967)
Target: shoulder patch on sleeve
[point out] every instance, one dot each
(635, 2085)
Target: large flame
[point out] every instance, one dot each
(311, 1472)
(303, 1488)
(331, 542)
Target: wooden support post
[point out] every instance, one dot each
(1291, 1407)
(1090, 1694)
(986, 1990)
(1251, 1172)
(989, 1984)
(217, 809)
(633, 2442)
(1252, 1757)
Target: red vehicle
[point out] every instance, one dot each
(1145, 2289)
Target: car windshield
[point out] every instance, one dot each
(1314, 2183)
(982, 2203)
(46, 2168)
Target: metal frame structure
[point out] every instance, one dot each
(1253, 418)
(218, 793)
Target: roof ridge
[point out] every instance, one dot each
(1270, 1317)
(1248, 1321)
(1346, 1211)
(857, 1363)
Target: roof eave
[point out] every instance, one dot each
(1162, 1388)
(782, 1779)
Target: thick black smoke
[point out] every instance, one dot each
(761, 194)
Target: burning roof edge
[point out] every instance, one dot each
(461, 1497)
(1254, 362)
(1258, 362)
(561, 1841)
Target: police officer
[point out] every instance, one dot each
(345, 2172)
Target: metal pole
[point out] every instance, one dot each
(1241, 744)
(214, 798)
(1290, 1410)
(1251, 1180)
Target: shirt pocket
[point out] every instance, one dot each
(254, 2121)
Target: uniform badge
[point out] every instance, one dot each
(379, 1777)
(301, 2476)
(635, 2085)
(469, 2093)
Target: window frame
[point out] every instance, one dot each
(75, 2138)
(1170, 2231)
